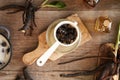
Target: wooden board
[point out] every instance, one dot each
(22, 44)
(46, 16)
(51, 70)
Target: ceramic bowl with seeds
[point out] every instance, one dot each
(5, 48)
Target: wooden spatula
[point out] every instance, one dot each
(31, 57)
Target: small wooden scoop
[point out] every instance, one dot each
(31, 57)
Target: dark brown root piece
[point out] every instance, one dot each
(12, 6)
(23, 17)
(107, 71)
(108, 77)
(34, 19)
(85, 73)
(28, 16)
(107, 48)
(19, 77)
(26, 74)
(88, 57)
(78, 74)
(16, 11)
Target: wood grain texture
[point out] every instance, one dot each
(51, 70)
(45, 17)
(76, 5)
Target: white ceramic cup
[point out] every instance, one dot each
(74, 25)
(42, 60)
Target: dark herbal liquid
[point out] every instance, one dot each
(66, 34)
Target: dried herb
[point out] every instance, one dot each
(82, 58)
(107, 71)
(87, 72)
(66, 34)
(56, 4)
(26, 74)
(29, 13)
(19, 78)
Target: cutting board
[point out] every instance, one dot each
(31, 57)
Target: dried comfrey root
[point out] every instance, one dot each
(89, 72)
(24, 76)
(29, 13)
(107, 71)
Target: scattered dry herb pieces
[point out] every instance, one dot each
(66, 34)
(92, 3)
(103, 24)
(29, 12)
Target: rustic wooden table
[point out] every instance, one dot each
(44, 17)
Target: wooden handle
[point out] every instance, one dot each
(31, 57)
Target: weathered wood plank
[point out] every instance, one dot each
(22, 44)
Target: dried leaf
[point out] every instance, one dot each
(56, 4)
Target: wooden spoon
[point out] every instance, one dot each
(31, 57)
